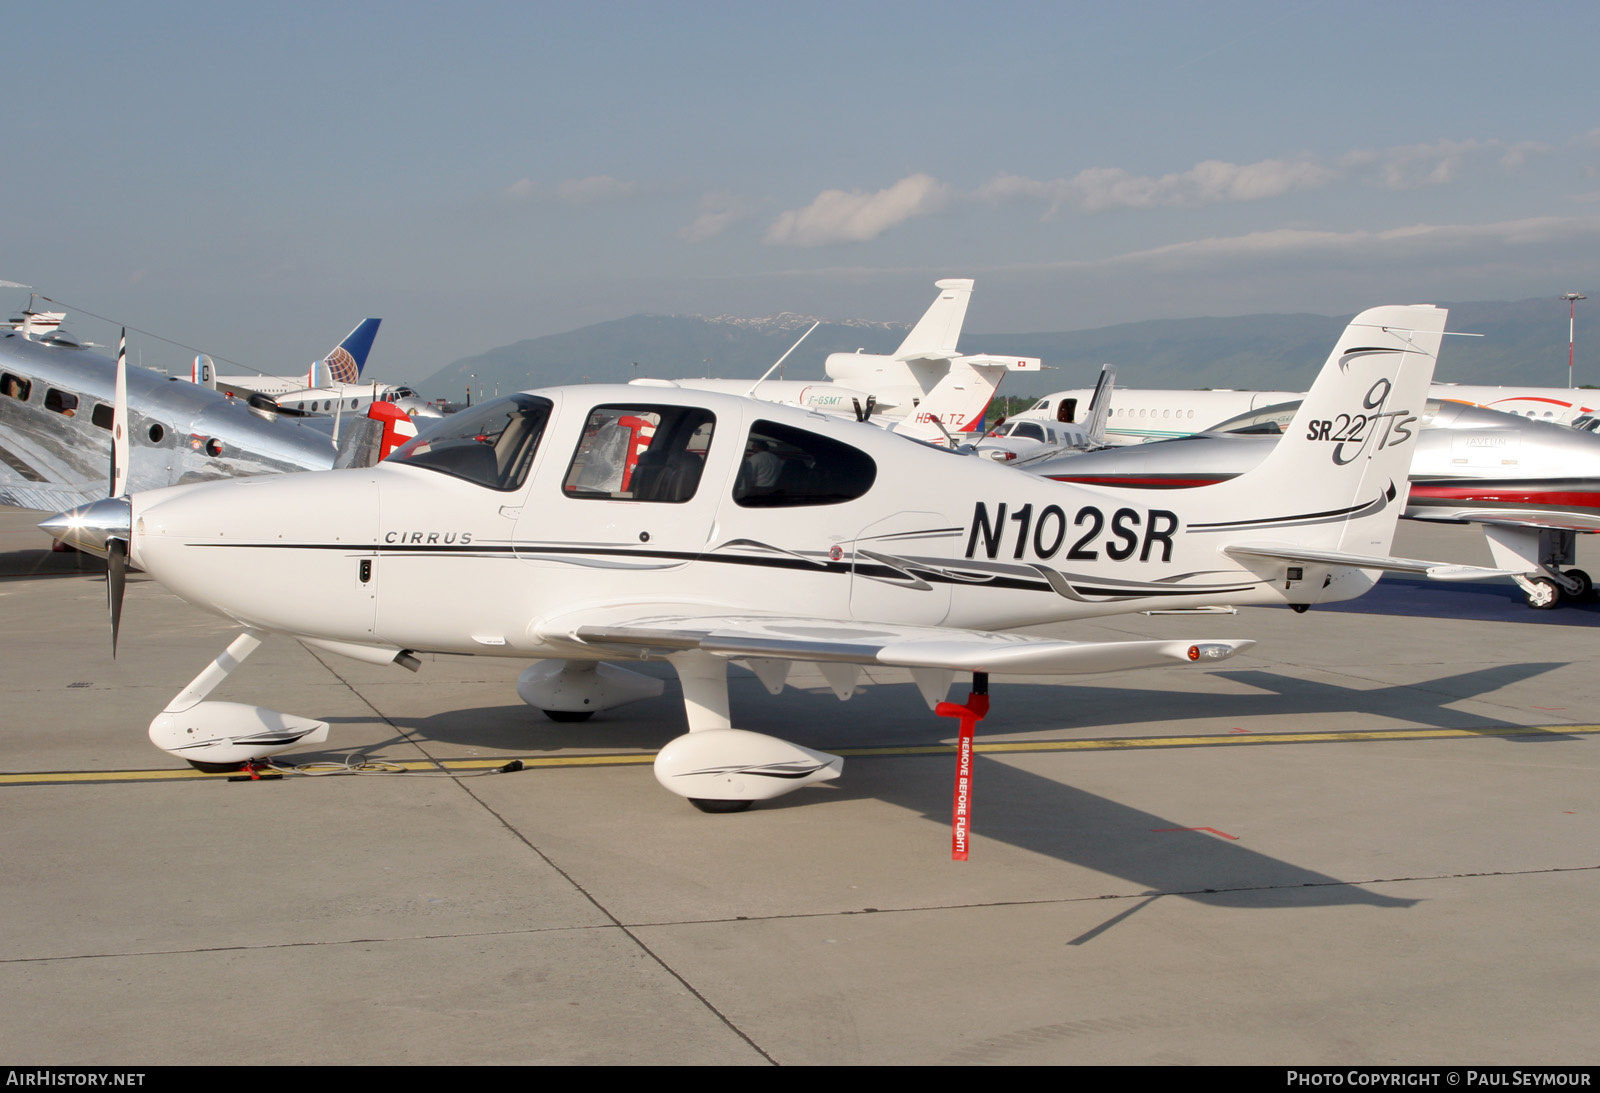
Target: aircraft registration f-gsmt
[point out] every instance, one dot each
(576, 526)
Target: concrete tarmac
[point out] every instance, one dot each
(1234, 865)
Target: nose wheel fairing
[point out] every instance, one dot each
(223, 734)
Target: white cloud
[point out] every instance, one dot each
(522, 187)
(718, 212)
(1414, 240)
(1411, 166)
(1211, 182)
(1518, 153)
(837, 216)
(1214, 181)
(593, 188)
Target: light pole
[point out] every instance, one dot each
(1572, 299)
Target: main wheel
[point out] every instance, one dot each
(1545, 593)
(1582, 578)
(569, 715)
(706, 804)
(216, 768)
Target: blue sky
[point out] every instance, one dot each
(255, 179)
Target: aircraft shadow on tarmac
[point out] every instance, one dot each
(31, 564)
(1031, 812)
(1478, 601)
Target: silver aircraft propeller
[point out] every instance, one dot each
(121, 442)
(116, 581)
(104, 527)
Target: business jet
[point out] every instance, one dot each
(926, 389)
(1532, 485)
(1138, 416)
(584, 525)
(1559, 405)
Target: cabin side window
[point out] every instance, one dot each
(785, 467)
(491, 445)
(102, 415)
(62, 402)
(640, 453)
(15, 386)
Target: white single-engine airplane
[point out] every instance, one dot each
(588, 524)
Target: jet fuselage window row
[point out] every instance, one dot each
(1130, 412)
(326, 404)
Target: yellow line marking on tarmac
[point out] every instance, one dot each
(636, 759)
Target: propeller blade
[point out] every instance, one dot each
(121, 446)
(116, 582)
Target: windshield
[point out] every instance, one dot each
(491, 445)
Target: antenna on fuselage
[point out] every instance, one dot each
(751, 393)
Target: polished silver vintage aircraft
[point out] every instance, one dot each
(582, 525)
(56, 421)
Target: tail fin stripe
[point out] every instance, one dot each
(1367, 508)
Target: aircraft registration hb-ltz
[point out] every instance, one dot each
(582, 525)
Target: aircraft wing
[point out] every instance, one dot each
(830, 640)
(1438, 571)
(45, 496)
(1569, 520)
(38, 471)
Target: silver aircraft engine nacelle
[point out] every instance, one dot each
(578, 688)
(735, 765)
(226, 734)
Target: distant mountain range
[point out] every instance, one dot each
(1524, 342)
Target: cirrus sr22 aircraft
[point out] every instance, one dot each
(582, 525)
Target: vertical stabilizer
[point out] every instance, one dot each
(349, 357)
(959, 401)
(937, 332)
(1344, 461)
(1094, 423)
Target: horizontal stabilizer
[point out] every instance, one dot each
(1010, 364)
(1436, 571)
(827, 640)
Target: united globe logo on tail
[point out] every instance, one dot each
(342, 366)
